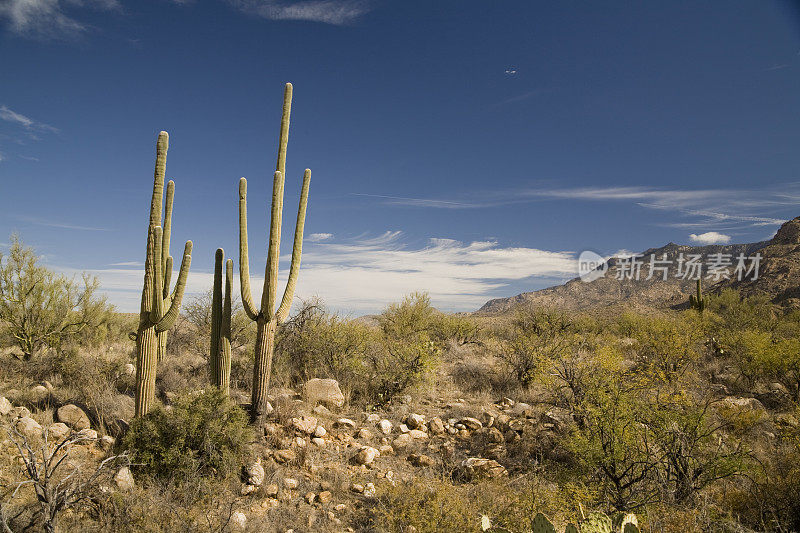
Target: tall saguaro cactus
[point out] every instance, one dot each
(220, 355)
(159, 308)
(266, 317)
(698, 302)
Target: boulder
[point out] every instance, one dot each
(385, 426)
(253, 473)
(29, 427)
(474, 468)
(744, 404)
(73, 416)
(324, 391)
(124, 479)
(5, 406)
(58, 432)
(304, 424)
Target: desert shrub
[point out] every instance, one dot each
(412, 318)
(39, 308)
(665, 346)
(535, 337)
(200, 434)
(395, 365)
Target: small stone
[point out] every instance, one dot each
(321, 410)
(345, 423)
(369, 490)
(480, 468)
(472, 424)
(5, 406)
(107, 442)
(20, 412)
(320, 431)
(357, 488)
(436, 426)
(414, 421)
(402, 441)
(310, 497)
(385, 426)
(246, 489)
(385, 449)
(29, 427)
(238, 520)
(366, 455)
(304, 424)
(73, 416)
(124, 479)
(318, 442)
(254, 473)
(325, 497)
(290, 483)
(129, 369)
(364, 434)
(284, 456)
(58, 432)
(418, 434)
(372, 418)
(88, 434)
(271, 490)
(403, 428)
(420, 460)
(299, 442)
(339, 507)
(522, 409)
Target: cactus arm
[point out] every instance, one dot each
(167, 276)
(297, 250)
(158, 277)
(147, 291)
(269, 294)
(167, 223)
(280, 166)
(216, 316)
(172, 314)
(224, 367)
(244, 262)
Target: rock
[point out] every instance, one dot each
(310, 497)
(304, 424)
(107, 442)
(366, 455)
(39, 393)
(487, 419)
(320, 432)
(299, 442)
(290, 483)
(357, 488)
(369, 490)
(474, 468)
(5, 406)
(472, 424)
(403, 428)
(20, 412)
(501, 421)
(58, 432)
(318, 442)
(246, 489)
(29, 427)
(271, 490)
(325, 391)
(73, 416)
(420, 460)
(744, 404)
(284, 456)
(129, 369)
(385, 426)
(386, 450)
(238, 520)
(521, 409)
(436, 426)
(123, 479)
(254, 473)
(418, 434)
(324, 497)
(402, 441)
(414, 421)
(373, 418)
(345, 423)
(271, 429)
(558, 416)
(364, 434)
(321, 410)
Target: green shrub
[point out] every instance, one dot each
(201, 434)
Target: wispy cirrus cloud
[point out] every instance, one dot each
(55, 224)
(319, 237)
(48, 19)
(363, 274)
(18, 119)
(336, 12)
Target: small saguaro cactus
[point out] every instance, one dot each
(698, 302)
(220, 355)
(266, 317)
(159, 308)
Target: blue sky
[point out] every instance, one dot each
(468, 148)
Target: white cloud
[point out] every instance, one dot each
(46, 19)
(12, 116)
(335, 12)
(318, 237)
(365, 274)
(710, 237)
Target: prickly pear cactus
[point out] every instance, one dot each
(597, 523)
(541, 524)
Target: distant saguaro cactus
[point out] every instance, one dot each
(159, 308)
(221, 304)
(267, 318)
(698, 302)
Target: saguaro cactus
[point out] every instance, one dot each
(220, 355)
(267, 318)
(698, 302)
(155, 316)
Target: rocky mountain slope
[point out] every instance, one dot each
(778, 276)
